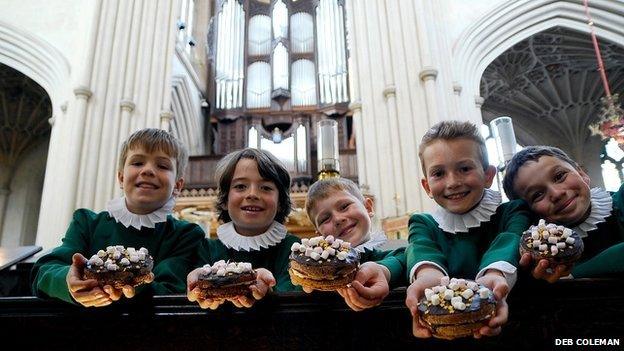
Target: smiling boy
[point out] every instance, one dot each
(471, 234)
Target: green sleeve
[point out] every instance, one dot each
(608, 262)
(50, 271)
(170, 272)
(422, 246)
(394, 260)
(504, 247)
(282, 262)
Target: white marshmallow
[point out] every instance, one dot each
(124, 262)
(535, 235)
(473, 286)
(561, 245)
(435, 300)
(459, 306)
(554, 250)
(543, 247)
(221, 272)
(141, 255)
(345, 245)
(456, 299)
(325, 254)
(329, 239)
(553, 239)
(484, 293)
(331, 250)
(101, 254)
(448, 294)
(566, 232)
(453, 285)
(318, 250)
(305, 242)
(570, 240)
(342, 255)
(467, 293)
(444, 280)
(315, 255)
(295, 247)
(537, 243)
(428, 294)
(308, 251)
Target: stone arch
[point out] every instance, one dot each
(513, 21)
(38, 60)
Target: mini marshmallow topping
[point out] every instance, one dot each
(222, 268)
(117, 256)
(319, 247)
(455, 294)
(549, 239)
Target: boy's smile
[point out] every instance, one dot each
(454, 177)
(554, 189)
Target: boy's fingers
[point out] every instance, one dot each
(500, 291)
(76, 284)
(128, 291)
(79, 260)
(307, 289)
(193, 295)
(419, 330)
(525, 260)
(150, 278)
(379, 290)
(191, 279)
(113, 293)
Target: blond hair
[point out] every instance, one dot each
(152, 139)
(323, 188)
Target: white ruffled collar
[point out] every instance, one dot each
(119, 211)
(230, 238)
(601, 207)
(454, 223)
(376, 239)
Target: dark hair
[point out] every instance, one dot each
(152, 139)
(530, 153)
(450, 130)
(323, 188)
(269, 167)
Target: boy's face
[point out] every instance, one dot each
(252, 200)
(344, 216)
(554, 189)
(148, 180)
(454, 176)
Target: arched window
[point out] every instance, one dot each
(612, 158)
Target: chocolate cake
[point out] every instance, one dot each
(226, 280)
(324, 264)
(456, 308)
(557, 244)
(118, 266)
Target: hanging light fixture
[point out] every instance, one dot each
(610, 123)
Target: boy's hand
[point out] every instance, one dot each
(193, 292)
(369, 287)
(85, 292)
(127, 290)
(264, 282)
(542, 269)
(495, 281)
(426, 277)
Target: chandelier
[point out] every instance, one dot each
(610, 121)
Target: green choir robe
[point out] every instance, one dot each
(172, 244)
(463, 255)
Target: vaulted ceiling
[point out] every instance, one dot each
(549, 84)
(24, 112)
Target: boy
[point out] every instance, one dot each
(471, 235)
(150, 172)
(337, 207)
(557, 189)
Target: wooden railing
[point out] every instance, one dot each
(539, 315)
